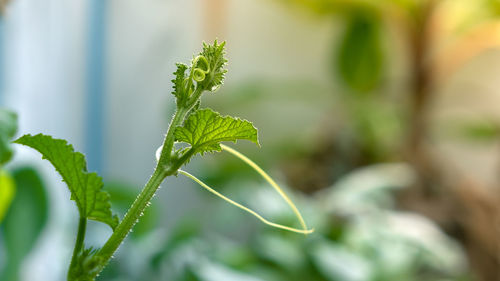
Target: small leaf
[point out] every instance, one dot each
(92, 202)
(180, 76)
(205, 129)
(8, 128)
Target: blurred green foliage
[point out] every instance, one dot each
(360, 58)
(7, 192)
(8, 128)
(25, 220)
(359, 237)
(478, 131)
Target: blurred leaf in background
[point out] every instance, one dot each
(359, 59)
(360, 237)
(8, 128)
(24, 221)
(7, 191)
(478, 131)
(378, 128)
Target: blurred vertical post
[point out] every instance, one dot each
(94, 131)
(3, 4)
(214, 19)
(2, 61)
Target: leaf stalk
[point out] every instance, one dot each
(82, 226)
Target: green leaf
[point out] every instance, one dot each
(360, 57)
(205, 129)
(92, 202)
(24, 221)
(8, 128)
(214, 55)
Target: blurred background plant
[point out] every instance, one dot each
(379, 116)
(439, 38)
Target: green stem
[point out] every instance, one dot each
(82, 225)
(168, 143)
(195, 96)
(133, 214)
(165, 167)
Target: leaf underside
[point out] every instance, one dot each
(205, 129)
(86, 188)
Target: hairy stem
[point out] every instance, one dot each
(169, 160)
(133, 214)
(168, 143)
(165, 167)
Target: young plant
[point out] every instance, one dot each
(202, 131)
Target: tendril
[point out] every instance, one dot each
(280, 191)
(271, 182)
(198, 75)
(200, 69)
(232, 202)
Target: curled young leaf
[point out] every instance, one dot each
(206, 73)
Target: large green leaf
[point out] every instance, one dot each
(24, 220)
(205, 129)
(85, 187)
